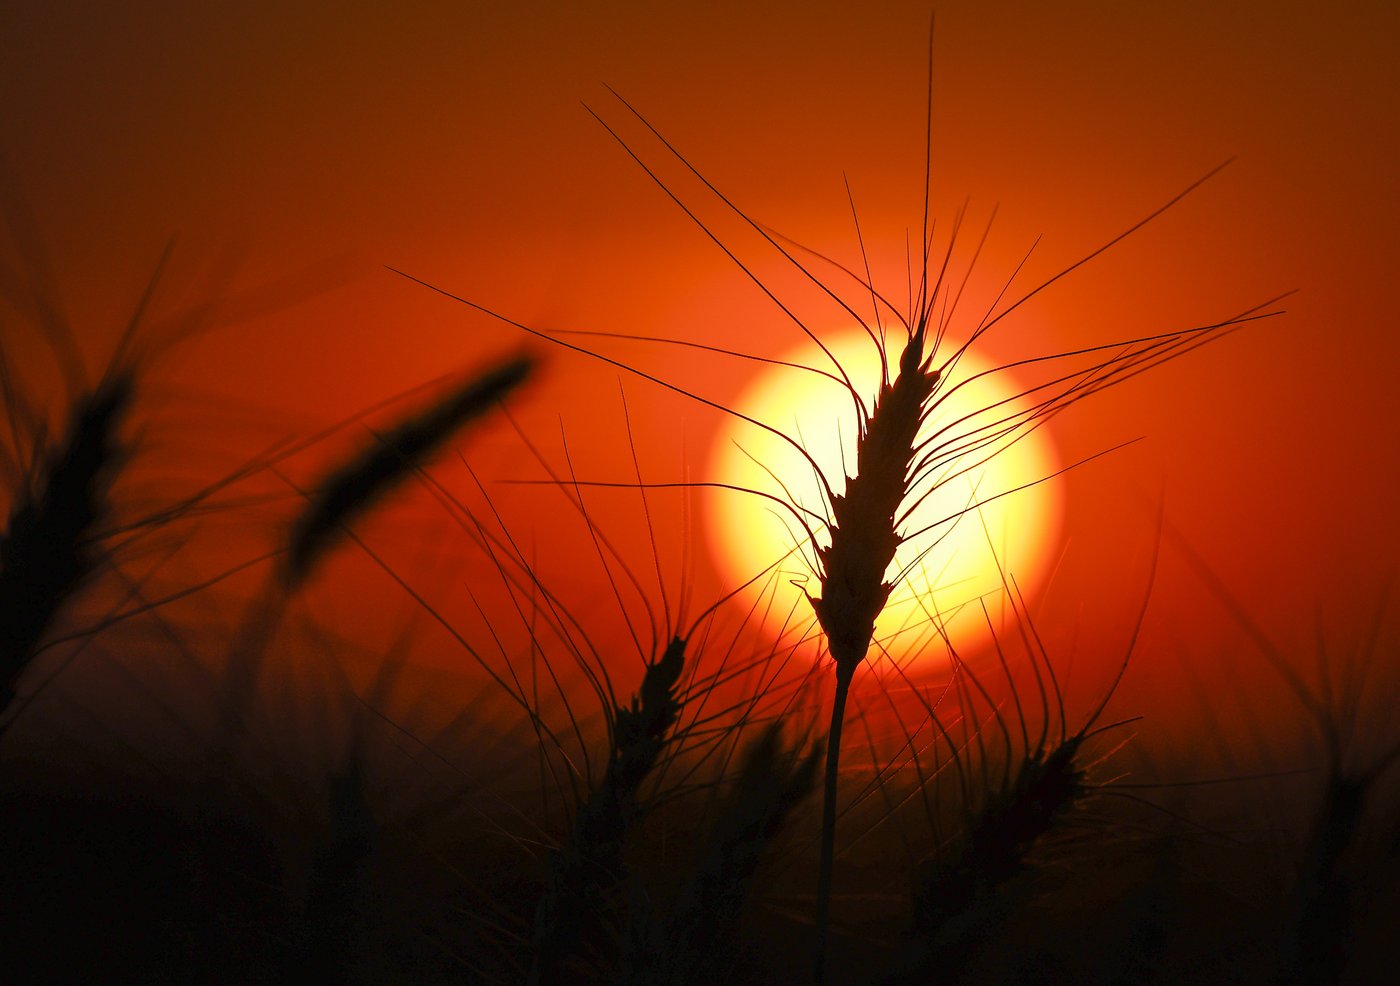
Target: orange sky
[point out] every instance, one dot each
(448, 140)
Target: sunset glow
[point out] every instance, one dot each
(979, 519)
(387, 593)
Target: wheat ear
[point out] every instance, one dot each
(964, 891)
(583, 873)
(358, 484)
(864, 535)
(46, 551)
(696, 944)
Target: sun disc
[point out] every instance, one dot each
(989, 514)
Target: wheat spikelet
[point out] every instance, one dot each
(864, 535)
(1339, 871)
(862, 530)
(966, 888)
(1002, 833)
(963, 895)
(695, 944)
(358, 484)
(47, 550)
(584, 872)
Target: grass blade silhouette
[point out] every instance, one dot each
(698, 939)
(582, 873)
(46, 552)
(358, 484)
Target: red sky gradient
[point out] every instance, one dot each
(448, 140)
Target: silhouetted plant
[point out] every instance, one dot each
(584, 873)
(355, 486)
(48, 548)
(696, 942)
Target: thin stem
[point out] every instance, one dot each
(844, 673)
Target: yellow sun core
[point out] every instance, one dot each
(981, 509)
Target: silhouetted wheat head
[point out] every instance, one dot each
(1350, 853)
(863, 531)
(696, 942)
(348, 489)
(1016, 789)
(585, 873)
(49, 546)
(356, 485)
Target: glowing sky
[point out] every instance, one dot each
(448, 140)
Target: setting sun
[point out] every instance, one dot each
(957, 535)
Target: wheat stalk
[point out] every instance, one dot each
(356, 485)
(695, 943)
(863, 539)
(583, 873)
(962, 890)
(47, 550)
